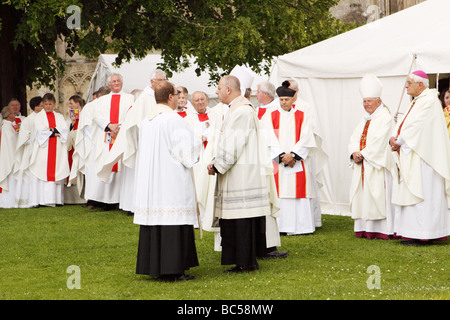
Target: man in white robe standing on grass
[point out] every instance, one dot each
(49, 163)
(421, 150)
(372, 164)
(199, 121)
(9, 132)
(242, 196)
(125, 147)
(83, 145)
(108, 116)
(165, 202)
(319, 159)
(24, 194)
(292, 143)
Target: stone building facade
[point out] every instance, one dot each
(363, 11)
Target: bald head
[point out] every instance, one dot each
(228, 89)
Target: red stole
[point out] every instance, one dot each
(261, 112)
(182, 113)
(300, 184)
(75, 127)
(114, 118)
(362, 145)
(403, 121)
(51, 155)
(202, 117)
(401, 125)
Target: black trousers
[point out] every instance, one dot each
(243, 240)
(166, 250)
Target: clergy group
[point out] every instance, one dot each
(249, 174)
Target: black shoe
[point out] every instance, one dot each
(416, 243)
(275, 255)
(176, 277)
(238, 269)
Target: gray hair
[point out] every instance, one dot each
(115, 74)
(268, 88)
(416, 78)
(293, 84)
(157, 71)
(6, 111)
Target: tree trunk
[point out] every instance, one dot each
(12, 61)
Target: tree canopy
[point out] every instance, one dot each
(220, 34)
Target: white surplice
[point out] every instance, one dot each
(168, 150)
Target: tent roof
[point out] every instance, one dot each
(385, 47)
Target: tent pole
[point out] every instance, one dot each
(404, 87)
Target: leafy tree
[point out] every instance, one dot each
(219, 33)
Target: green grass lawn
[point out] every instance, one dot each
(39, 245)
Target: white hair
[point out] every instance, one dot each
(416, 78)
(268, 88)
(157, 71)
(293, 84)
(115, 74)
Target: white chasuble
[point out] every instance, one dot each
(242, 188)
(423, 135)
(368, 192)
(422, 191)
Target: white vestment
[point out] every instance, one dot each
(125, 149)
(82, 147)
(8, 140)
(318, 159)
(423, 189)
(200, 124)
(168, 150)
(217, 115)
(71, 192)
(96, 189)
(50, 184)
(24, 147)
(262, 109)
(287, 132)
(371, 187)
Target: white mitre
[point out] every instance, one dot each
(245, 77)
(370, 86)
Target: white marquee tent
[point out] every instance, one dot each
(136, 74)
(329, 74)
